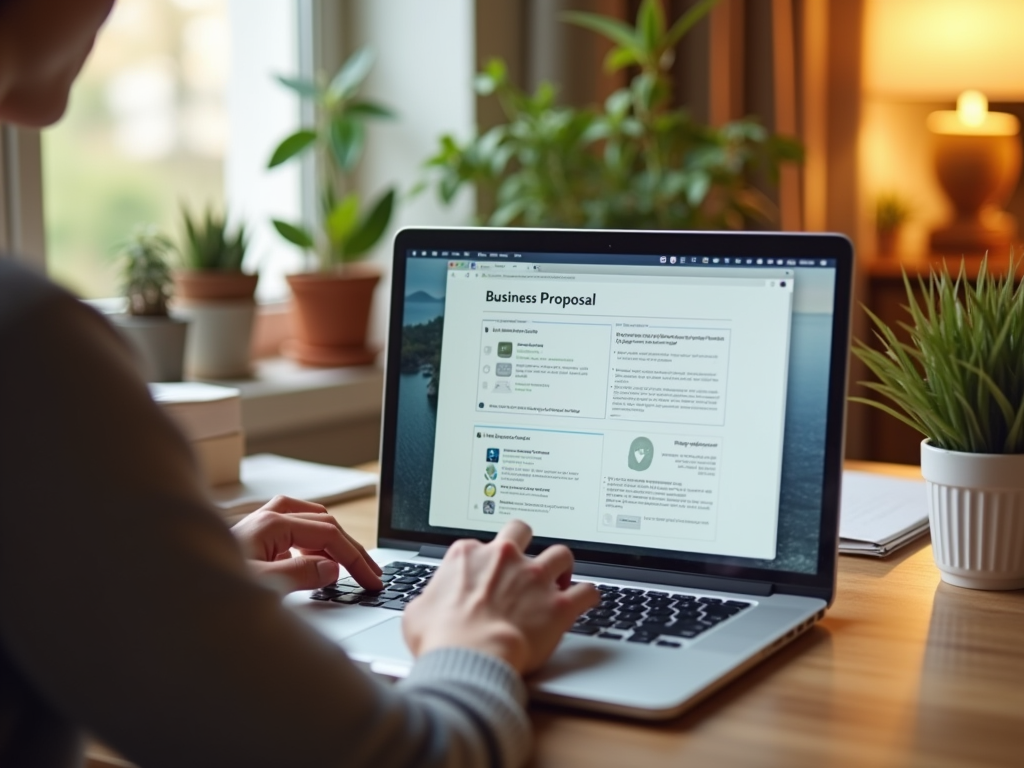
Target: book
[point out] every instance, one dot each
(266, 475)
(220, 458)
(200, 410)
(880, 514)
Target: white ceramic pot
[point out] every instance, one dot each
(159, 343)
(976, 512)
(220, 339)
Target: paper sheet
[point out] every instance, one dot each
(879, 514)
(265, 475)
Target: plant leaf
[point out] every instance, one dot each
(617, 31)
(294, 234)
(305, 88)
(370, 229)
(342, 218)
(369, 109)
(351, 75)
(347, 140)
(687, 20)
(291, 146)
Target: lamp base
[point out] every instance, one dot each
(991, 230)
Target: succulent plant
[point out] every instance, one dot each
(146, 274)
(208, 245)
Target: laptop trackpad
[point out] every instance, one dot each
(382, 647)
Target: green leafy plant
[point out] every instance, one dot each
(207, 244)
(635, 163)
(960, 379)
(349, 228)
(146, 274)
(891, 212)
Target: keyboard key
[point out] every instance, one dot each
(584, 630)
(610, 635)
(347, 599)
(319, 596)
(669, 644)
(370, 603)
(630, 591)
(406, 579)
(599, 623)
(709, 600)
(607, 588)
(392, 568)
(635, 638)
(394, 605)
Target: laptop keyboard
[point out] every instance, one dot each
(625, 614)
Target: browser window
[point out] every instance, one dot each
(614, 403)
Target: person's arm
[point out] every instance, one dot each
(126, 603)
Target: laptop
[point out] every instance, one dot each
(670, 405)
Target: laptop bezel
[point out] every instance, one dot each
(624, 242)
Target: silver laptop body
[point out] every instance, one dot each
(669, 404)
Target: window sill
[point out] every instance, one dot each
(284, 398)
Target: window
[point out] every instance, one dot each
(177, 106)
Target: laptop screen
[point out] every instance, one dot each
(668, 407)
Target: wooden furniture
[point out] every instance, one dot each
(903, 671)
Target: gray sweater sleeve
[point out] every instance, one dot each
(127, 610)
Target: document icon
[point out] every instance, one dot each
(504, 349)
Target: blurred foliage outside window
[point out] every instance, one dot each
(144, 132)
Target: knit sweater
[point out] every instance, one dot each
(128, 612)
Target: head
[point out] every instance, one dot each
(43, 44)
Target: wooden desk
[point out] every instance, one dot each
(903, 671)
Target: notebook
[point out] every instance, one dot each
(668, 404)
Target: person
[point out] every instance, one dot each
(128, 609)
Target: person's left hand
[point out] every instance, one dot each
(270, 533)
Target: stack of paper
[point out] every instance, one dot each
(880, 514)
(265, 475)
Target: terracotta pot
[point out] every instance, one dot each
(211, 285)
(330, 315)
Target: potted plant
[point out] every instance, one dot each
(331, 306)
(635, 163)
(216, 295)
(959, 381)
(891, 213)
(147, 286)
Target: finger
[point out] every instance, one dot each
(288, 505)
(322, 536)
(327, 517)
(306, 572)
(517, 532)
(581, 597)
(556, 562)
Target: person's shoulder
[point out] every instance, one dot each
(24, 290)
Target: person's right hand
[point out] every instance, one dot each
(494, 599)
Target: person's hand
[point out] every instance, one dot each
(494, 599)
(270, 533)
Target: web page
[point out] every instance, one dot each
(615, 407)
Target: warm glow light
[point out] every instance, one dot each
(972, 107)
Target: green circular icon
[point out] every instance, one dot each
(641, 454)
(490, 489)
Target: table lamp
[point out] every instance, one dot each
(977, 161)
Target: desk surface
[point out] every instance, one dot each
(903, 671)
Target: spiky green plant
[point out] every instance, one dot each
(960, 379)
(891, 212)
(207, 244)
(146, 274)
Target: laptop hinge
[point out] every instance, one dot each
(626, 573)
(433, 550)
(672, 578)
